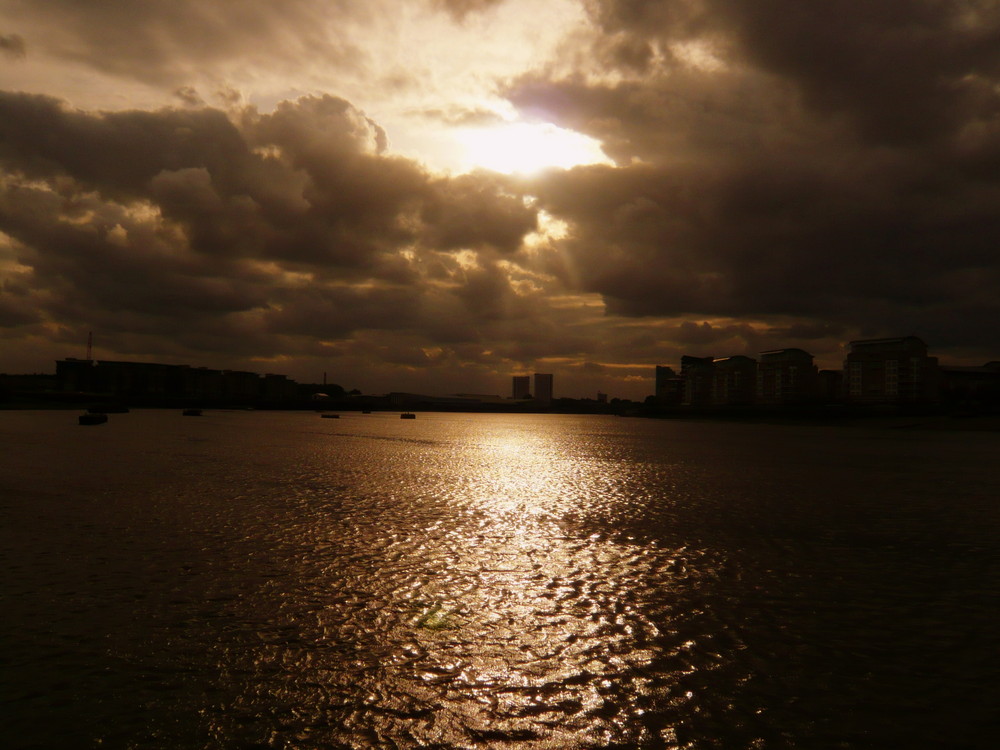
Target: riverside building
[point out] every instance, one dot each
(891, 371)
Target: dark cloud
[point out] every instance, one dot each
(16, 306)
(475, 211)
(834, 167)
(459, 9)
(848, 244)
(248, 234)
(12, 46)
(117, 153)
(189, 95)
(901, 70)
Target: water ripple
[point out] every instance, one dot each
(466, 581)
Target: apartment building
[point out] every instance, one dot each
(890, 371)
(669, 387)
(543, 388)
(734, 380)
(520, 387)
(697, 375)
(786, 376)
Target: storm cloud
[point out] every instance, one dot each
(178, 222)
(782, 176)
(834, 165)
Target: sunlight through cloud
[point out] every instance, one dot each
(525, 148)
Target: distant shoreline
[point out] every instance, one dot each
(879, 421)
(936, 422)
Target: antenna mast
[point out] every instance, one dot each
(90, 346)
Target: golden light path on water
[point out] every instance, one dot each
(479, 608)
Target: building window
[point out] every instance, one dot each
(854, 383)
(892, 377)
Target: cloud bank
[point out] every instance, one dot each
(784, 176)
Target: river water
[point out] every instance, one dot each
(277, 580)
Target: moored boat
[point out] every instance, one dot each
(192, 412)
(407, 415)
(93, 418)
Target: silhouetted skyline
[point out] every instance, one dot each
(361, 188)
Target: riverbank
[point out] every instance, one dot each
(858, 419)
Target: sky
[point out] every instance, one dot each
(435, 195)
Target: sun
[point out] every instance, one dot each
(525, 148)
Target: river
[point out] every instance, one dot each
(277, 580)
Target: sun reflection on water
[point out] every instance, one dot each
(544, 635)
(465, 599)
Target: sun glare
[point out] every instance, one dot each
(524, 148)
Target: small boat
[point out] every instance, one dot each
(330, 416)
(93, 418)
(407, 415)
(366, 411)
(191, 412)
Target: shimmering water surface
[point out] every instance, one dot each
(276, 580)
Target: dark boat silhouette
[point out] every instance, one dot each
(407, 415)
(93, 418)
(330, 416)
(192, 412)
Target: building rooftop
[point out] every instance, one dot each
(895, 341)
(772, 353)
